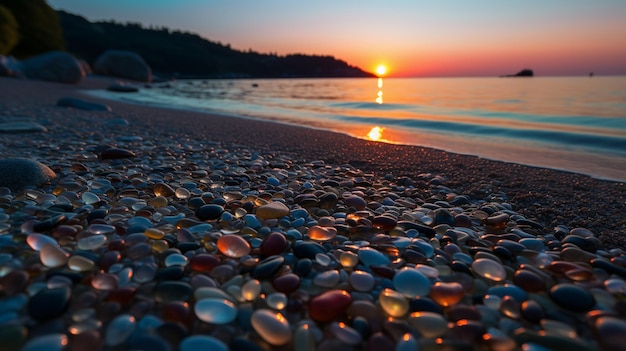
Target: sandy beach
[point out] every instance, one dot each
(175, 230)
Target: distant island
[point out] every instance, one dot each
(176, 54)
(523, 73)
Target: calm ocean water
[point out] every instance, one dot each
(576, 124)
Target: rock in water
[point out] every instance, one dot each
(16, 173)
(123, 64)
(55, 66)
(82, 104)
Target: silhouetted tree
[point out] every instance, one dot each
(38, 27)
(8, 31)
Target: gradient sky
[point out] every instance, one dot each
(411, 37)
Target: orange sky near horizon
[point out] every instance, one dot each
(410, 37)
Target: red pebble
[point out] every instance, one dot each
(273, 244)
(203, 262)
(286, 283)
(329, 305)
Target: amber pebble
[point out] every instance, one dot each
(329, 305)
(447, 294)
(319, 233)
(162, 189)
(273, 244)
(233, 245)
(203, 262)
(286, 283)
(272, 326)
(123, 295)
(467, 330)
(393, 303)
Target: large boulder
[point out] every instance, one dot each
(54, 66)
(123, 64)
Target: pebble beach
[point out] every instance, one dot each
(163, 229)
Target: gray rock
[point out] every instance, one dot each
(123, 64)
(122, 88)
(17, 173)
(82, 104)
(16, 127)
(54, 66)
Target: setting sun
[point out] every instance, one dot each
(376, 133)
(381, 70)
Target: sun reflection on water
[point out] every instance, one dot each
(375, 134)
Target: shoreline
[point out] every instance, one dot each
(176, 230)
(551, 197)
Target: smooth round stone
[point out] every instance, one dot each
(611, 332)
(16, 173)
(202, 342)
(529, 281)
(277, 301)
(49, 303)
(103, 229)
(203, 262)
(116, 153)
(251, 290)
(319, 233)
(361, 281)
(384, 222)
(272, 326)
(345, 334)
(268, 267)
(119, 329)
(323, 259)
(105, 281)
(272, 210)
(429, 324)
(615, 286)
(372, 257)
(78, 263)
(216, 311)
(169, 291)
(211, 292)
(411, 283)
(286, 283)
(90, 198)
(533, 244)
(154, 233)
(393, 303)
(209, 212)
(327, 279)
(14, 282)
(52, 256)
(92, 242)
(355, 201)
(162, 189)
(233, 245)
(508, 290)
(489, 269)
(447, 294)
(329, 305)
(176, 259)
(16, 127)
(273, 244)
(36, 241)
(572, 297)
(50, 342)
(348, 259)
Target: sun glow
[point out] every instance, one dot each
(381, 70)
(375, 134)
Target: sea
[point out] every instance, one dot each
(575, 124)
